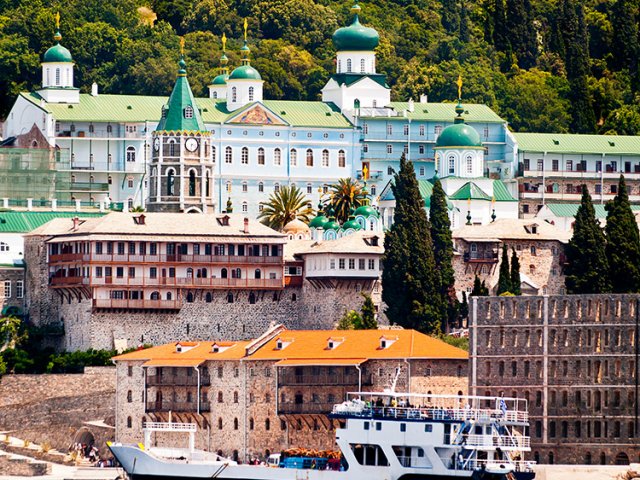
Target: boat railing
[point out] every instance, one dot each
(170, 426)
(503, 441)
(518, 465)
(362, 409)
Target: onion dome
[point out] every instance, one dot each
(320, 220)
(366, 211)
(459, 134)
(57, 53)
(245, 71)
(355, 37)
(332, 225)
(351, 223)
(220, 79)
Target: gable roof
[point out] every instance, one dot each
(512, 229)
(24, 222)
(500, 192)
(445, 112)
(574, 143)
(175, 117)
(470, 191)
(350, 78)
(571, 209)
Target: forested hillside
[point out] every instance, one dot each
(544, 65)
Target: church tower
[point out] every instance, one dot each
(57, 73)
(356, 84)
(218, 87)
(181, 178)
(244, 85)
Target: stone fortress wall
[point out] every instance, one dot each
(575, 359)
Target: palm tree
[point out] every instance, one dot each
(288, 203)
(346, 195)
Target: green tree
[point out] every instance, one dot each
(587, 270)
(450, 16)
(283, 206)
(349, 320)
(443, 248)
(624, 15)
(521, 32)
(11, 332)
(410, 284)
(623, 243)
(480, 289)
(514, 274)
(463, 311)
(368, 313)
(345, 196)
(504, 277)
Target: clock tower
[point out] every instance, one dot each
(181, 176)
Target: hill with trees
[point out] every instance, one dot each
(544, 65)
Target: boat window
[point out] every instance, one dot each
(378, 425)
(420, 452)
(371, 455)
(428, 428)
(403, 427)
(366, 425)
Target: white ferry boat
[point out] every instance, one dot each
(391, 436)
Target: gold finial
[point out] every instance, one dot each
(182, 46)
(459, 83)
(224, 43)
(365, 173)
(57, 20)
(245, 29)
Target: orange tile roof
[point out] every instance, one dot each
(173, 362)
(294, 362)
(201, 352)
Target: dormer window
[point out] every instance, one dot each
(282, 343)
(224, 220)
(219, 347)
(333, 343)
(386, 342)
(188, 111)
(185, 346)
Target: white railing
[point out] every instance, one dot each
(170, 427)
(502, 441)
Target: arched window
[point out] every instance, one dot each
(229, 297)
(208, 297)
(189, 272)
(203, 273)
(234, 94)
(276, 187)
(235, 397)
(238, 273)
(57, 76)
(169, 296)
(223, 273)
(220, 397)
(213, 153)
(172, 148)
(251, 89)
(293, 158)
(348, 65)
(129, 422)
(261, 187)
(452, 164)
(244, 159)
(219, 423)
(251, 424)
(170, 182)
(362, 68)
(277, 156)
(267, 424)
(228, 155)
(190, 297)
(214, 95)
(235, 424)
(252, 298)
(207, 184)
(245, 207)
(129, 396)
(155, 296)
(325, 158)
(309, 157)
(131, 154)
(192, 183)
(469, 161)
(258, 273)
(341, 159)
(188, 111)
(260, 156)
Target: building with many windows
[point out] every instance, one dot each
(264, 395)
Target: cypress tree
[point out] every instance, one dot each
(484, 290)
(368, 314)
(443, 248)
(504, 278)
(587, 270)
(477, 288)
(515, 273)
(465, 34)
(500, 34)
(450, 16)
(521, 32)
(410, 282)
(463, 312)
(625, 36)
(623, 243)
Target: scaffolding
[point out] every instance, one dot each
(41, 174)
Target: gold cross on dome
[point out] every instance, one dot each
(224, 42)
(365, 172)
(245, 29)
(459, 83)
(57, 19)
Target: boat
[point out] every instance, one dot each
(386, 435)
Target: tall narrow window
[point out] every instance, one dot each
(131, 154)
(294, 157)
(341, 159)
(362, 66)
(244, 159)
(325, 158)
(228, 155)
(452, 165)
(309, 158)
(277, 157)
(260, 156)
(348, 65)
(57, 76)
(469, 160)
(192, 183)
(234, 94)
(251, 94)
(170, 180)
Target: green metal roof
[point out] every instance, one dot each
(459, 135)
(570, 209)
(245, 72)
(57, 54)
(350, 78)
(470, 191)
(139, 108)
(24, 222)
(445, 112)
(176, 118)
(355, 37)
(573, 143)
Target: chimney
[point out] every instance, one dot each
(94, 89)
(76, 223)
(246, 225)
(423, 98)
(141, 219)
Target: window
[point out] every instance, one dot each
(421, 149)
(389, 129)
(341, 263)
(188, 111)
(341, 159)
(555, 165)
(569, 165)
(130, 182)
(261, 187)
(389, 148)
(244, 157)
(251, 91)
(245, 187)
(452, 164)
(276, 187)
(469, 161)
(245, 207)
(228, 155)
(348, 65)
(277, 156)
(372, 264)
(405, 129)
(309, 158)
(228, 184)
(293, 157)
(7, 289)
(325, 158)
(131, 154)
(362, 69)
(234, 94)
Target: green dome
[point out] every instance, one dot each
(351, 223)
(245, 72)
(355, 37)
(57, 54)
(332, 225)
(366, 211)
(220, 80)
(459, 135)
(318, 222)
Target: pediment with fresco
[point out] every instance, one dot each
(257, 114)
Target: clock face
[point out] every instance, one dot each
(156, 144)
(191, 144)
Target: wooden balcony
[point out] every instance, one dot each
(490, 256)
(137, 304)
(177, 407)
(324, 379)
(178, 380)
(191, 282)
(304, 408)
(166, 259)
(69, 281)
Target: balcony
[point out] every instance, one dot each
(481, 257)
(373, 175)
(175, 258)
(339, 378)
(137, 304)
(304, 408)
(88, 187)
(293, 281)
(190, 282)
(177, 407)
(177, 380)
(69, 281)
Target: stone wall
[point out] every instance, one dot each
(53, 408)
(22, 467)
(575, 359)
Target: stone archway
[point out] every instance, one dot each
(622, 459)
(84, 436)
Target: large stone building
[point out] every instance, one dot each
(575, 359)
(129, 278)
(261, 396)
